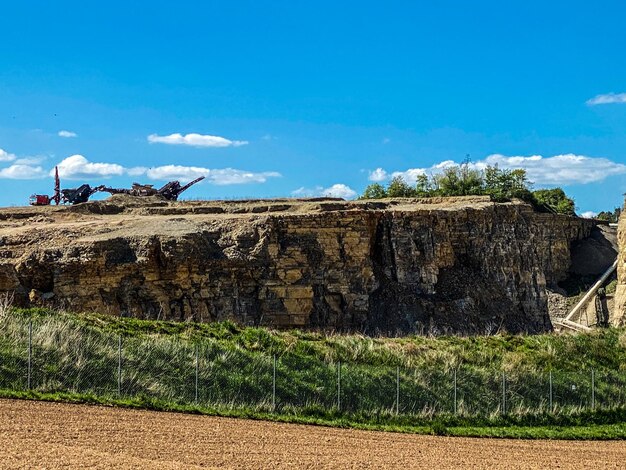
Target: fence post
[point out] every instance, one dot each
(550, 381)
(274, 385)
(397, 390)
(119, 365)
(593, 389)
(455, 397)
(197, 374)
(503, 393)
(30, 353)
(339, 386)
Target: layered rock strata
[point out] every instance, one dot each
(619, 311)
(455, 265)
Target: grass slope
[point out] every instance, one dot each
(75, 358)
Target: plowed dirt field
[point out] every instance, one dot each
(52, 435)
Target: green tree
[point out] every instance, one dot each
(447, 183)
(503, 185)
(610, 216)
(472, 181)
(423, 186)
(554, 200)
(399, 188)
(374, 191)
(459, 181)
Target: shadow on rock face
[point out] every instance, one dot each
(593, 255)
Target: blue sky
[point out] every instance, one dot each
(303, 98)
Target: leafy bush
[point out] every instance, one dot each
(399, 188)
(374, 191)
(460, 180)
(502, 185)
(555, 200)
(610, 216)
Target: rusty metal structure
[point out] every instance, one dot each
(170, 191)
(77, 195)
(57, 187)
(136, 190)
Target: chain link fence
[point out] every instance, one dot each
(43, 357)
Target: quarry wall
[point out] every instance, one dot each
(619, 311)
(455, 265)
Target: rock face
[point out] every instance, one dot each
(619, 311)
(590, 257)
(455, 265)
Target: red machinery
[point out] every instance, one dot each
(44, 199)
(39, 200)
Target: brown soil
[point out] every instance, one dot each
(52, 435)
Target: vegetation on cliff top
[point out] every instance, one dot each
(610, 216)
(463, 180)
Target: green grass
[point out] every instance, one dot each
(602, 349)
(433, 427)
(75, 358)
(595, 432)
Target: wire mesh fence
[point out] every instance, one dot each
(42, 357)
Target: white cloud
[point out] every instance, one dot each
(307, 192)
(340, 190)
(378, 175)
(221, 176)
(176, 172)
(30, 160)
(230, 176)
(78, 167)
(410, 175)
(67, 134)
(560, 169)
(195, 140)
(588, 215)
(336, 190)
(22, 168)
(23, 172)
(556, 170)
(607, 98)
(136, 171)
(443, 165)
(6, 156)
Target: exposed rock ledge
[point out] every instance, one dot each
(463, 265)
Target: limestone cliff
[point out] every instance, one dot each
(619, 311)
(396, 266)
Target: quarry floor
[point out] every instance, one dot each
(54, 435)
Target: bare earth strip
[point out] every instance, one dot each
(52, 435)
